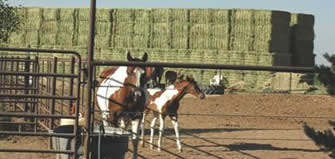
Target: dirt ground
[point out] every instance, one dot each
(232, 126)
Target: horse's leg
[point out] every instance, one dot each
(161, 130)
(105, 118)
(142, 128)
(134, 128)
(152, 130)
(174, 120)
(122, 123)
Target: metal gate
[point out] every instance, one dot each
(37, 88)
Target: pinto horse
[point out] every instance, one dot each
(166, 103)
(121, 96)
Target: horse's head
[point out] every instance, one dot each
(191, 87)
(137, 76)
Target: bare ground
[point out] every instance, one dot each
(233, 126)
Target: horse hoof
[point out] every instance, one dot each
(180, 150)
(159, 149)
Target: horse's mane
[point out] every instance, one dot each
(106, 72)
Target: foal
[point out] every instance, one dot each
(166, 103)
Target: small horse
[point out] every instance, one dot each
(121, 95)
(166, 103)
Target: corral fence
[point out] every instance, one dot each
(22, 78)
(41, 90)
(37, 88)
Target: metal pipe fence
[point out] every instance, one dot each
(34, 91)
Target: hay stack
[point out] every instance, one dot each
(302, 37)
(271, 31)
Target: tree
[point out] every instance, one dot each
(326, 74)
(9, 20)
(325, 139)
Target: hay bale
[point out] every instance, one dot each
(218, 43)
(197, 56)
(200, 35)
(220, 16)
(211, 56)
(179, 43)
(32, 38)
(48, 33)
(267, 39)
(160, 29)
(122, 41)
(219, 30)
(223, 57)
(142, 15)
(17, 37)
(251, 58)
(200, 43)
(160, 35)
(67, 15)
(103, 15)
(123, 28)
(50, 14)
(305, 20)
(236, 58)
(124, 15)
(33, 18)
(303, 60)
(178, 35)
(49, 26)
(82, 34)
(200, 16)
(102, 28)
(83, 14)
(302, 33)
(178, 15)
(241, 30)
(141, 29)
(271, 31)
(140, 41)
(302, 37)
(200, 30)
(289, 82)
(159, 15)
(83, 51)
(155, 55)
(303, 47)
(274, 59)
(183, 55)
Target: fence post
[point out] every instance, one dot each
(36, 89)
(71, 82)
(53, 92)
(26, 81)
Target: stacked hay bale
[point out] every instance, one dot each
(217, 36)
(302, 37)
(257, 37)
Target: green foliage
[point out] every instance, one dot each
(9, 20)
(326, 74)
(324, 139)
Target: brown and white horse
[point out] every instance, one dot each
(166, 103)
(120, 95)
